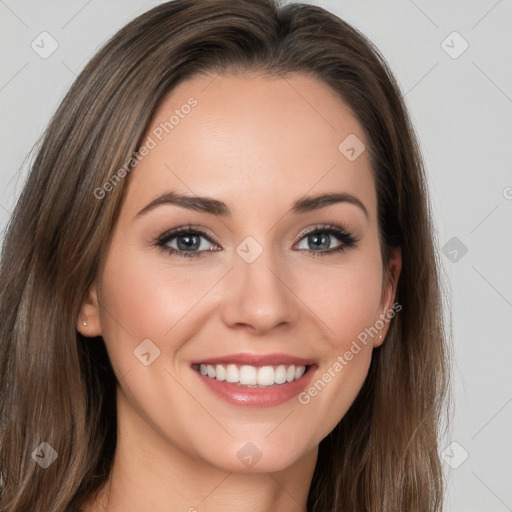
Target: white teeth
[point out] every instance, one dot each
(280, 377)
(266, 376)
(248, 375)
(232, 373)
(220, 372)
(253, 376)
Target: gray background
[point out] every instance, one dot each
(461, 105)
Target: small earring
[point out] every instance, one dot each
(85, 323)
(380, 335)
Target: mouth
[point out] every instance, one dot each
(250, 380)
(252, 376)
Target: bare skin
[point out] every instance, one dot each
(259, 146)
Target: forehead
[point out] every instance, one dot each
(252, 141)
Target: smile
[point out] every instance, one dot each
(255, 380)
(252, 376)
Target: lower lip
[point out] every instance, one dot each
(258, 397)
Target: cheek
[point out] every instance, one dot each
(145, 297)
(346, 299)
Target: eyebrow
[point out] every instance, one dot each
(215, 207)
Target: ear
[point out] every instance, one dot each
(390, 283)
(88, 322)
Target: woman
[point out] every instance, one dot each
(220, 288)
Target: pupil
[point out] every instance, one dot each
(319, 240)
(187, 242)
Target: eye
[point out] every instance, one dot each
(323, 240)
(187, 242)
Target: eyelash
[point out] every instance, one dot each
(347, 240)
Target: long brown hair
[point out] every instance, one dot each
(58, 387)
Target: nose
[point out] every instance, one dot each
(259, 296)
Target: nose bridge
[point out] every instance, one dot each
(257, 294)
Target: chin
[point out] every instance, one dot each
(259, 456)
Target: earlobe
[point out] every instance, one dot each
(392, 274)
(88, 321)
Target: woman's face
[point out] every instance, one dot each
(246, 167)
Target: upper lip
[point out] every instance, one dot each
(256, 360)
